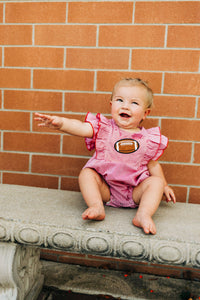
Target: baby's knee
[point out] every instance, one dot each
(87, 174)
(158, 182)
(84, 174)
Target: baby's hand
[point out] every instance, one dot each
(169, 194)
(49, 121)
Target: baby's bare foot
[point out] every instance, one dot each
(146, 223)
(94, 213)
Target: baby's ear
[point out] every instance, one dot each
(146, 113)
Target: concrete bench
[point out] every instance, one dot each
(33, 218)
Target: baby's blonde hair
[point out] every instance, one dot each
(136, 82)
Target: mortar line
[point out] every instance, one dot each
(2, 99)
(188, 194)
(95, 81)
(65, 58)
(66, 13)
(196, 108)
(2, 59)
(162, 83)
(97, 36)
(33, 35)
(133, 15)
(4, 13)
(2, 134)
(166, 36)
(192, 153)
(31, 83)
(130, 60)
(63, 102)
(30, 163)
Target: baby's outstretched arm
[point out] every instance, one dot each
(71, 126)
(156, 170)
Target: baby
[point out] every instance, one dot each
(124, 171)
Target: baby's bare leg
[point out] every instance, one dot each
(148, 195)
(94, 190)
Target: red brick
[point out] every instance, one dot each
(194, 196)
(178, 152)
(149, 123)
(187, 130)
(49, 182)
(166, 60)
(180, 83)
(35, 12)
(167, 12)
(65, 35)
(183, 36)
(149, 269)
(14, 162)
(191, 274)
(84, 102)
(100, 12)
(70, 184)
(56, 165)
(46, 256)
(181, 174)
(14, 120)
(107, 80)
(32, 100)
(131, 36)
(174, 106)
(49, 251)
(114, 264)
(75, 146)
(15, 35)
(97, 58)
(30, 142)
(62, 252)
(73, 260)
(180, 193)
(196, 153)
(34, 57)
(63, 80)
(15, 78)
(165, 270)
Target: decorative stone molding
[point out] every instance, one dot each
(103, 244)
(52, 219)
(20, 272)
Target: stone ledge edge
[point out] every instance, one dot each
(131, 247)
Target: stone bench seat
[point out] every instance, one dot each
(32, 218)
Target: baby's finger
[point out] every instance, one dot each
(173, 198)
(42, 117)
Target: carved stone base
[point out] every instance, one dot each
(20, 272)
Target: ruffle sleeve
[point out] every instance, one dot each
(96, 121)
(157, 143)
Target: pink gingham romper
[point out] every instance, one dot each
(122, 171)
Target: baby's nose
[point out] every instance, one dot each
(125, 104)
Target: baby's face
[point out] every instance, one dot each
(129, 107)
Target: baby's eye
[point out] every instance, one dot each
(134, 102)
(119, 100)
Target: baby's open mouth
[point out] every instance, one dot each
(124, 115)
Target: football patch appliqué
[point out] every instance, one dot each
(126, 146)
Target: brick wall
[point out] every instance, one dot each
(64, 57)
